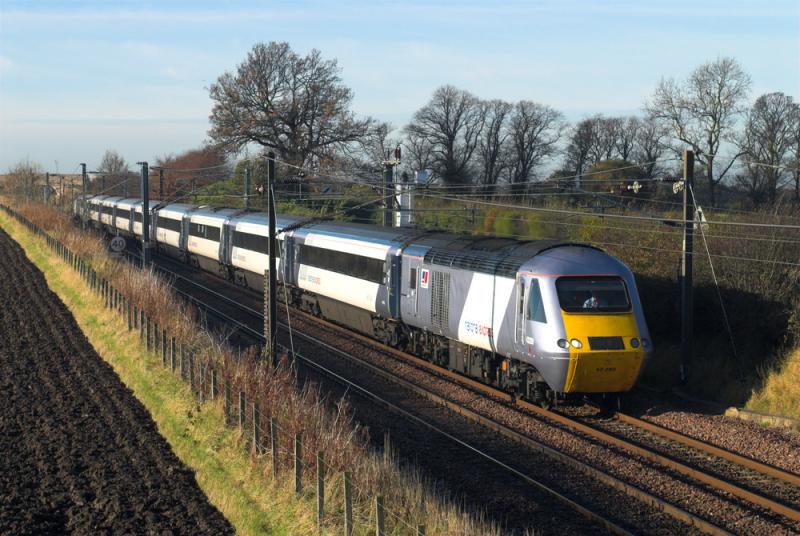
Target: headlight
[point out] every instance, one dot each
(562, 343)
(634, 343)
(576, 343)
(646, 344)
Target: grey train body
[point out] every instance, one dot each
(465, 303)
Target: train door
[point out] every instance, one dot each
(520, 313)
(414, 281)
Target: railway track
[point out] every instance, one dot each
(758, 492)
(754, 481)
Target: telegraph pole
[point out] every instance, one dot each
(687, 297)
(271, 319)
(388, 185)
(247, 186)
(161, 183)
(83, 202)
(145, 214)
(46, 187)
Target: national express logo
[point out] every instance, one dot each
(424, 278)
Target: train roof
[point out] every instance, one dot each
(488, 254)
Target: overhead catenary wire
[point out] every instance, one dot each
(675, 221)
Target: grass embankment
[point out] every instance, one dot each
(238, 480)
(780, 394)
(196, 432)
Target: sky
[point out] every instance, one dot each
(80, 77)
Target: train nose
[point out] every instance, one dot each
(609, 371)
(609, 354)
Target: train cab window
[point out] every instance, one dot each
(412, 278)
(535, 303)
(602, 294)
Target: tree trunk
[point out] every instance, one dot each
(711, 183)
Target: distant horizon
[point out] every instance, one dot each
(79, 80)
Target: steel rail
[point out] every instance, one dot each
(591, 431)
(750, 463)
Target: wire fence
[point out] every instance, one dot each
(278, 446)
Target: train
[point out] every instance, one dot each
(542, 319)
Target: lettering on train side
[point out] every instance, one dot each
(477, 329)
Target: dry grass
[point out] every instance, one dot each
(780, 394)
(325, 426)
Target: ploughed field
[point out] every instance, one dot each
(78, 452)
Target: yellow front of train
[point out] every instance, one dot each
(604, 333)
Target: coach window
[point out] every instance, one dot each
(535, 303)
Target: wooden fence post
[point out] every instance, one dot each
(348, 505)
(242, 410)
(298, 466)
(380, 522)
(147, 335)
(191, 371)
(181, 364)
(164, 348)
(256, 428)
(387, 446)
(273, 431)
(320, 490)
(213, 384)
(172, 354)
(227, 403)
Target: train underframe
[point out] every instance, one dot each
(512, 375)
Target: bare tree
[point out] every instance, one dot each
(22, 177)
(296, 105)
(626, 131)
(419, 151)
(112, 163)
(367, 155)
(604, 137)
(768, 143)
(534, 132)
(795, 162)
(580, 143)
(115, 170)
(451, 122)
(701, 111)
(649, 146)
(592, 140)
(492, 143)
